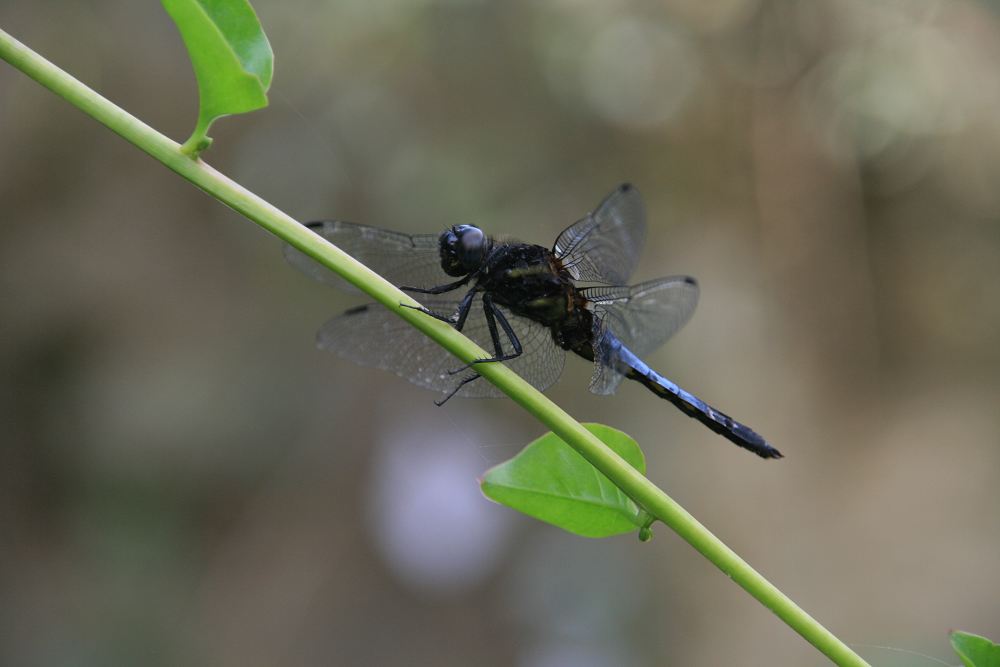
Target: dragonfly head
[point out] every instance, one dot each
(463, 249)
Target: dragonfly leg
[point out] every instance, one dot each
(494, 315)
(454, 391)
(449, 319)
(457, 319)
(464, 306)
(440, 289)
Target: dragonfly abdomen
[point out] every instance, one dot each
(694, 407)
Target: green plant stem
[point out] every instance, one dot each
(230, 193)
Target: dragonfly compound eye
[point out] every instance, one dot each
(472, 244)
(448, 248)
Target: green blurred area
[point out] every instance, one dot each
(184, 479)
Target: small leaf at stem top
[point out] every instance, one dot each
(975, 651)
(231, 56)
(550, 481)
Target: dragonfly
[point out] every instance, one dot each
(527, 303)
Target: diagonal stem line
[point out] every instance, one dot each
(647, 495)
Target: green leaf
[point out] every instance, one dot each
(551, 482)
(231, 56)
(975, 651)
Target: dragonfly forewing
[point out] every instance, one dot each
(604, 247)
(373, 336)
(402, 259)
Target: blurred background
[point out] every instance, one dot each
(186, 480)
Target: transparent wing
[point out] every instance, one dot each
(402, 259)
(373, 336)
(642, 317)
(604, 247)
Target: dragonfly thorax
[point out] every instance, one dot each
(463, 249)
